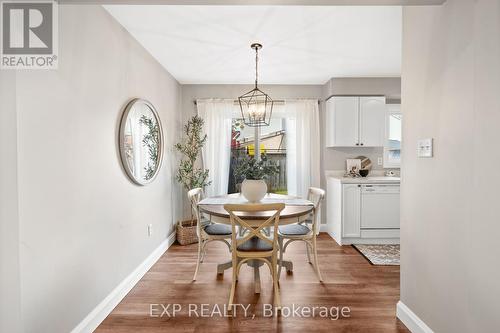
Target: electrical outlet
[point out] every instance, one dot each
(379, 161)
(150, 230)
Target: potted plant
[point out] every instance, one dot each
(189, 175)
(253, 174)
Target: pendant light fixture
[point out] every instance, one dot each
(256, 106)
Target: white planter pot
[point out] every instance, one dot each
(253, 190)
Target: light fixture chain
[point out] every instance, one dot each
(256, 65)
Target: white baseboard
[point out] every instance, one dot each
(103, 309)
(323, 228)
(411, 320)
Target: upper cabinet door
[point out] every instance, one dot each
(342, 121)
(372, 121)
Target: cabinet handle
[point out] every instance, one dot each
(359, 185)
(357, 144)
(362, 144)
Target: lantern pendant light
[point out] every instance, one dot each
(256, 106)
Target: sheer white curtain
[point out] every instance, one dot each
(302, 145)
(217, 114)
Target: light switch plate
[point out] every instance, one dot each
(425, 148)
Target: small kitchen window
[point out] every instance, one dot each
(392, 147)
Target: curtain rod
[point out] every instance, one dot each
(277, 101)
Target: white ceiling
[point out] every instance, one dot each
(302, 45)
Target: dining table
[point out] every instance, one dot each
(296, 210)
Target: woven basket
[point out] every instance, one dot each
(186, 232)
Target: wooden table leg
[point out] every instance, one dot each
(256, 271)
(288, 265)
(222, 267)
(256, 278)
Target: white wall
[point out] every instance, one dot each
(10, 288)
(449, 216)
(82, 222)
(388, 86)
(191, 92)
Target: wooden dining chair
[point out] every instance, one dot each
(305, 231)
(205, 229)
(255, 245)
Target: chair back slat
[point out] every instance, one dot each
(194, 196)
(316, 196)
(254, 231)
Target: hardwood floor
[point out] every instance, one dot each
(371, 293)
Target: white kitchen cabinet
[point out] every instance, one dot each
(353, 121)
(351, 210)
(342, 121)
(363, 210)
(371, 121)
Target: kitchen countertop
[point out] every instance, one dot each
(373, 178)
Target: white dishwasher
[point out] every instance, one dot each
(380, 206)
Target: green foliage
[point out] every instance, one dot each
(188, 175)
(151, 141)
(283, 191)
(249, 168)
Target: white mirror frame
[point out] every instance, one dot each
(121, 141)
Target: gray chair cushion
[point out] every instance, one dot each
(294, 229)
(218, 229)
(255, 244)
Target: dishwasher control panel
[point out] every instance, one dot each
(380, 188)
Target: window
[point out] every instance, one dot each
(392, 147)
(272, 142)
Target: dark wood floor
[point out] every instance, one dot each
(371, 293)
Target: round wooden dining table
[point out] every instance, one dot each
(296, 210)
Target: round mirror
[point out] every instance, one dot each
(141, 141)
